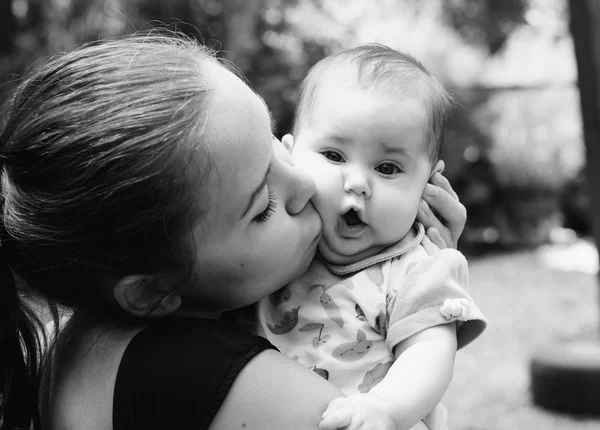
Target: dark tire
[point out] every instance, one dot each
(566, 377)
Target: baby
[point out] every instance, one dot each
(381, 311)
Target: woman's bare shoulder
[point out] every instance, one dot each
(85, 371)
(275, 392)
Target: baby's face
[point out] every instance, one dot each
(367, 155)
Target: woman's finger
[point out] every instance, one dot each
(443, 202)
(436, 238)
(452, 212)
(440, 180)
(426, 217)
(430, 246)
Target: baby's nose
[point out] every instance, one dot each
(356, 181)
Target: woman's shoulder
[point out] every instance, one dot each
(177, 374)
(103, 372)
(214, 376)
(273, 392)
(81, 376)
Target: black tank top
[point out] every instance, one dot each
(177, 374)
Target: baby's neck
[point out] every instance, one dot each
(413, 236)
(345, 260)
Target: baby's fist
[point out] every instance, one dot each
(356, 412)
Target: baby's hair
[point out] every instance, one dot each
(378, 67)
(102, 174)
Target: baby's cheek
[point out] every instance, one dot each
(393, 219)
(322, 203)
(326, 180)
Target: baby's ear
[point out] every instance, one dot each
(438, 168)
(288, 142)
(146, 296)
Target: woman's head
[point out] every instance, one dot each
(136, 171)
(128, 160)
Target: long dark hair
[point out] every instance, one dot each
(101, 169)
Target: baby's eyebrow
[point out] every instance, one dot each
(339, 139)
(395, 150)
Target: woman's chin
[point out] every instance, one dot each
(303, 266)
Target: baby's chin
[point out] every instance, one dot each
(344, 259)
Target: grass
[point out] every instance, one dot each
(529, 305)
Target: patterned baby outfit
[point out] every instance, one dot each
(343, 322)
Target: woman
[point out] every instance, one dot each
(142, 190)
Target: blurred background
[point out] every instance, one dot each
(515, 152)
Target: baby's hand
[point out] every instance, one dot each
(359, 411)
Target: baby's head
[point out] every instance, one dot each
(369, 128)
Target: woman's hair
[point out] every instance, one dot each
(101, 174)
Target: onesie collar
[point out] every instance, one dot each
(408, 242)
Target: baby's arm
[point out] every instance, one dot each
(413, 386)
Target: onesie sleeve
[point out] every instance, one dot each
(429, 291)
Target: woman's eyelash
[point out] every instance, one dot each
(266, 214)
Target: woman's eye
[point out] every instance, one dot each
(333, 156)
(388, 169)
(269, 210)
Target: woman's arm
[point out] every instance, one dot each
(275, 392)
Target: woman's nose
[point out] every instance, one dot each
(356, 181)
(303, 187)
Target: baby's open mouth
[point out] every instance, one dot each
(350, 225)
(351, 217)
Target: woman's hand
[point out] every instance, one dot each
(441, 213)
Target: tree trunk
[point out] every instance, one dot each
(585, 28)
(7, 27)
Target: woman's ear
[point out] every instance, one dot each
(146, 296)
(288, 142)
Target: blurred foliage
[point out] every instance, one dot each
(514, 152)
(486, 22)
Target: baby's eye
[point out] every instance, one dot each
(334, 156)
(388, 169)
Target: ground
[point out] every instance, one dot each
(531, 299)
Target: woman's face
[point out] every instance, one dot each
(259, 231)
